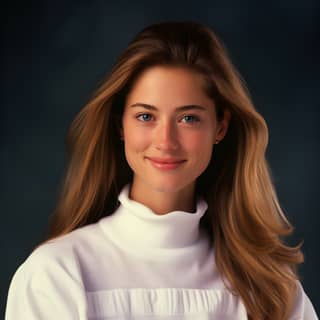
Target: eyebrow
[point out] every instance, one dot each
(182, 108)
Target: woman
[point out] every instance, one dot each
(168, 209)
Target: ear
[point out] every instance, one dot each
(223, 125)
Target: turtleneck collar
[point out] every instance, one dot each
(138, 226)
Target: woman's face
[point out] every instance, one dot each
(169, 127)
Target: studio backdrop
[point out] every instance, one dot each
(57, 52)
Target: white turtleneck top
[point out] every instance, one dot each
(133, 264)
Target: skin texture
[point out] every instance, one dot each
(188, 135)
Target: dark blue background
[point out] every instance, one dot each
(56, 52)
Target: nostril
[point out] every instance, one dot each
(165, 145)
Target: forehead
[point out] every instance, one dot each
(169, 86)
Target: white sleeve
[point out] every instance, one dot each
(303, 308)
(43, 289)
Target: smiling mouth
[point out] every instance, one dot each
(166, 165)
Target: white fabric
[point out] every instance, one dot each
(132, 265)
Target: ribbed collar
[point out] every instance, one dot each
(136, 225)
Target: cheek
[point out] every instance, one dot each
(199, 148)
(137, 140)
(198, 142)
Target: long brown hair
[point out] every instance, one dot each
(244, 218)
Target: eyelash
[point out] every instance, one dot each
(195, 118)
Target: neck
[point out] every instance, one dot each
(137, 227)
(162, 202)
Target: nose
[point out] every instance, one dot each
(165, 137)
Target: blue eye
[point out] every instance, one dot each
(145, 117)
(191, 118)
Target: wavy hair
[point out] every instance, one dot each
(244, 219)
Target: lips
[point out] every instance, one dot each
(166, 160)
(166, 163)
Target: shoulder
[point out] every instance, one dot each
(62, 255)
(51, 275)
(302, 307)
